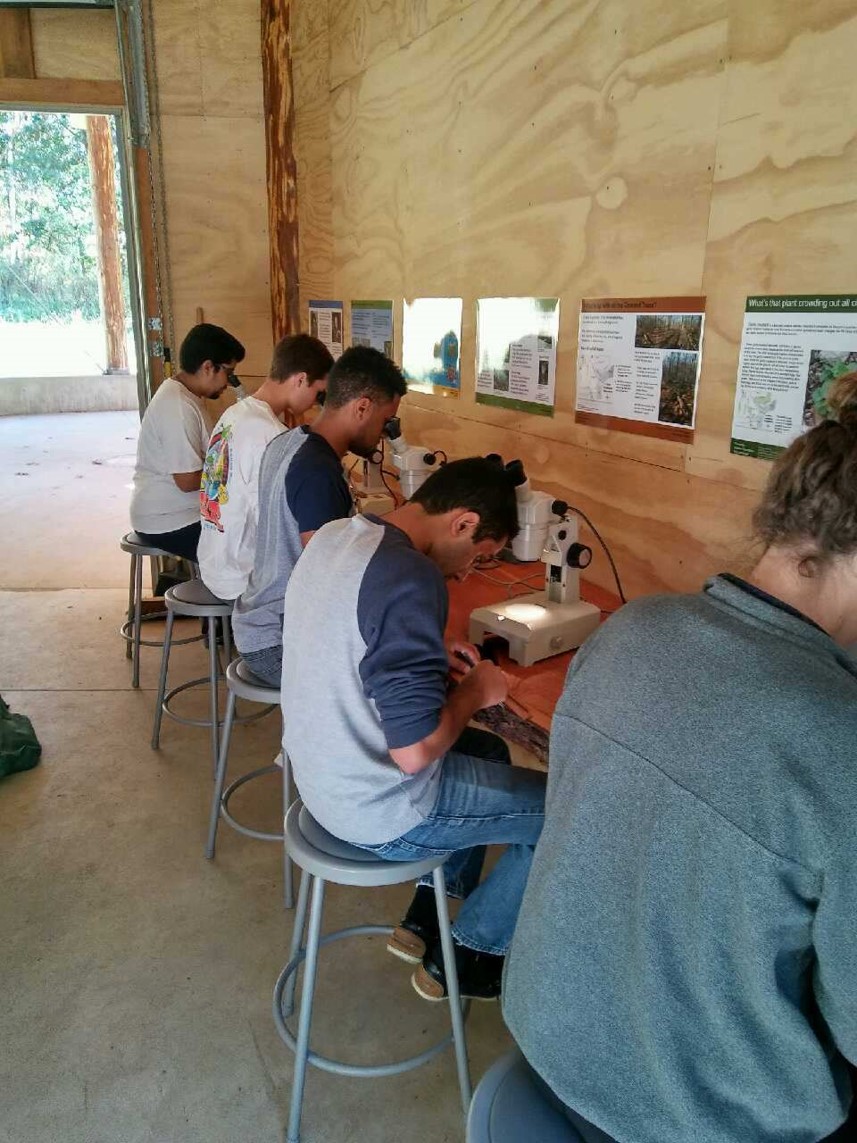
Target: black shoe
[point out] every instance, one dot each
(419, 929)
(480, 975)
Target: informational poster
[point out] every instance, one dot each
(372, 325)
(793, 348)
(516, 353)
(325, 323)
(431, 340)
(639, 360)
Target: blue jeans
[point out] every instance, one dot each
(482, 800)
(266, 664)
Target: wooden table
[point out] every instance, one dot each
(534, 690)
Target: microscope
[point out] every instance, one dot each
(413, 465)
(540, 624)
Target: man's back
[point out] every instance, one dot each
(696, 877)
(229, 497)
(172, 439)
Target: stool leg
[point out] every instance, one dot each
(214, 670)
(297, 942)
(128, 650)
(138, 619)
(305, 1018)
(221, 774)
(288, 868)
(227, 643)
(451, 974)
(162, 682)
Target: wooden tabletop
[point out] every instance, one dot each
(534, 690)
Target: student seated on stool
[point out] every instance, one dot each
(229, 495)
(302, 486)
(685, 963)
(381, 752)
(173, 439)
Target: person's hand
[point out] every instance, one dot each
(489, 682)
(462, 656)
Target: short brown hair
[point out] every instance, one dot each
(810, 502)
(300, 353)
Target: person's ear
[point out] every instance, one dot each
(362, 408)
(464, 524)
(301, 379)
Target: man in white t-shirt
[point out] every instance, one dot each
(229, 496)
(173, 439)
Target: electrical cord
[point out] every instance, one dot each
(607, 551)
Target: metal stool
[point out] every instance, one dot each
(325, 858)
(194, 599)
(242, 683)
(509, 1106)
(130, 630)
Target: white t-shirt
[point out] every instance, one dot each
(173, 438)
(229, 497)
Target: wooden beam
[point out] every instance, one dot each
(103, 177)
(281, 166)
(152, 316)
(16, 44)
(62, 94)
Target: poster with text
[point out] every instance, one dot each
(639, 360)
(793, 347)
(431, 339)
(372, 325)
(325, 323)
(516, 353)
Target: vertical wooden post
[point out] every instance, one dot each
(152, 319)
(281, 165)
(16, 44)
(103, 175)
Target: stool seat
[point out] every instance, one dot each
(135, 546)
(194, 598)
(246, 685)
(324, 855)
(508, 1106)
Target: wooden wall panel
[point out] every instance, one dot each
(74, 44)
(582, 148)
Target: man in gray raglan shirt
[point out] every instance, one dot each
(684, 968)
(302, 487)
(381, 751)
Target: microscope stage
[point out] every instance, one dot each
(534, 627)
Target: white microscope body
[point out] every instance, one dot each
(414, 464)
(540, 624)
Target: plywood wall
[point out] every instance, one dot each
(585, 148)
(209, 81)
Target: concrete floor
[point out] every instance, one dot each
(137, 976)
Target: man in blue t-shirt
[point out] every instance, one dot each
(381, 749)
(302, 487)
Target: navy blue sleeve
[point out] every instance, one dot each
(401, 613)
(316, 490)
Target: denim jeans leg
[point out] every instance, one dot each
(485, 803)
(463, 870)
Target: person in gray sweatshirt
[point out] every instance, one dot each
(684, 966)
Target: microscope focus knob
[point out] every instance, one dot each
(579, 556)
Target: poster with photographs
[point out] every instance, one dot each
(372, 325)
(516, 340)
(639, 361)
(431, 340)
(793, 348)
(325, 323)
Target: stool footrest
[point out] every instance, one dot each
(248, 831)
(186, 720)
(128, 635)
(338, 1067)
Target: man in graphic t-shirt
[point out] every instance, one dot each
(229, 495)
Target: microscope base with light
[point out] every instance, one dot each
(534, 626)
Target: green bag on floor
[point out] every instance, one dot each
(19, 747)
